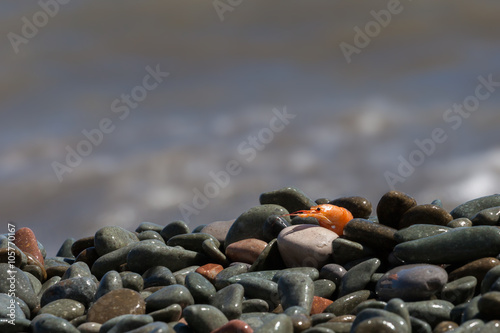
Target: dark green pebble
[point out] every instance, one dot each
(470, 310)
(419, 325)
(113, 260)
(6, 306)
(296, 289)
(229, 300)
(369, 315)
(181, 274)
(22, 283)
(65, 249)
(346, 304)
(320, 318)
(150, 234)
(490, 278)
(460, 290)
(374, 235)
(358, 206)
(166, 296)
(472, 207)
(392, 206)
(324, 288)
(273, 226)
(47, 323)
(254, 305)
(270, 258)
(267, 275)
(437, 202)
(291, 198)
(81, 289)
(67, 309)
(358, 276)
(332, 272)
(158, 276)
(311, 272)
(279, 324)
(146, 226)
(111, 238)
(203, 318)
(170, 313)
(222, 279)
(110, 281)
(345, 250)
(433, 312)
(398, 307)
(192, 242)
(173, 229)
(460, 222)
(35, 281)
(132, 280)
(369, 304)
(200, 288)
(212, 250)
(261, 288)
(304, 220)
(78, 269)
(417, 231)
(425, 214)
(488, 216)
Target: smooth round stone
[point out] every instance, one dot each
(25, 240)
(250, 223)
(20, 325)
(300, 322)
(89, 327)
(125, 323)
(376, 320)
(169, 314)
(369, 304)
(279, 324)
(110, 281)
(200, 288)
(204, 318)
(470, 310)
(324, 288)
(157, 327)
(306, 245)
(24, 289)
(420, 326)
(114, 304)
(291, 198)
(47, 323)
(358, 276)
(146, 226)
(254, 305)
(345, 250)
(166, 296)
(173, 229)
(64, 308)
(425, 214)
(472, 207)
(261, 288)
(489, 305)
(490, 279)
(266, 275)
(460, 222)
(150, 234)
(433, 312)
(346, 304)
(488, 216)
(78, 269)
(111, 238)
(180, 275)
(245, 250)
(229, 300)
(158, 276)
(218, 229)
(304, 220)
(234, 326)
(460, 290)
(192, 242)
(213, 251)
(88, 256)
(222, 279)
(374, 235)
(114, 260)
(477, 268)
(475, 243)
(81, 289)
(312, 272)
(358, 206)
(398, 307)
(417, 231)
(296, 289)
(9, 308)
(35, 281)
(81, 244)
(411, 282)
(273, 226)
(333, 272)
(445, 326)
(392, 206)
(209, 271)
(65, 249)
(150, 253)
(269, 258)
(131, 280)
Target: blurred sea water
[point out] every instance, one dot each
(353, 121)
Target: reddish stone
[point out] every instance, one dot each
(477, 268)
(209, 271)
(234, 326)
(25, 240)
(116, 303)
(246, 250)
(319, 304)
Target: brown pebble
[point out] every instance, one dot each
(369, 233)
(88, 256)
(425, 214)
(116, 303)
(210, 271)
(319, 304)
(246, 250)
(477, 268)
(358, 206)
(392, 206)
(234, 326)
(81, 244)
(25, 240)
(445, 326)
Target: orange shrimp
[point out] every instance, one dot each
(329, 216)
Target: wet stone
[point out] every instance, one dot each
(470, 311)
(489, 279)
(234, 326)
(81, 244)
(64, 308)
(149, 226)
(250, 223)
(312, 272)
(376, 320)
(488, 216)
(392, 206)
(158, 276)
(7, 304)
(460, 290)
(170, 313)
(125, 323)
(209, 271)
(445, 326)
(174, 294)
(22, 283)
(65, 249)
(173, 229)
(425, 214)
(131, 280)
(477, 268)
(398, 307)
(204, 318)
(192, 242)
(222, 279)
(213, 251)
(304, 220)
(459, 223)
(345, 250)
(279, 324)
(420, 326)
(269, 258)
(254, 305)
(475, 242)
(411, 282)
(333, 272)
(245, 250)
(113, 260)
(81, 289)
(20, 259)
(291, 198)
(433, 312)
(273, 226)
(150, 234)
(88, 256)
(116, 303)
(78, 269)
(35, 281)
(218, 229)
(296, 289)
(372, 234)
(489, 305)
(346, 304)
(47, 323)
(89, 327)
(180, 275)
(358, 206)
(229, 300)
(300, 322)
(417, 231)
(472, 207)
(109, 239)
(358, 276)
(324, 288)
(25, 240)
(200, 288)
(110, 281)
(261, 288)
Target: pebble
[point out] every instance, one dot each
(146, 226)
(324, 288)
(180, 275)
(358, 206)
(81, 289)
(411, 282)
(261, 288)
(306, 245)
(296, 289)
(229, 300)
(131, 280)
(9, 309)
(417, 231)
(489, 305)
(246, 250)
(445, 326)
(166, 296)
(345, 305)
(372, 234)
(210, 271)
(312, 272)
(377, 320)
(81, 244)
(222, 279)
(65, 249)
(25, 240)
(114, 260)
(89, 327)
(192, 242)
(358, 276)
(78, 269)
(173, 229)
(116, 303)
(170, 313)
(250, 223)
(488, 216)
(433, 311)
(332, 272)
(200, 288)
(472, 207)
(23, 288)
(291, 198)
(64, 308)
(273, 226)
(345, 250)
(20, 259)
(477, 268)
(425, 214)
(47, 323)
(88, 256)
(460, 290)
(218, 229)
(234, 326)
(150, 234)
(254, 305)
(111, 238)
(392, 206)
(319, 305)
(213, 251)
(418, 325)
(279, 324)
(269, 258)
(109, 282)
(158, 276)
(470, 310)
(204, 318)
(125, 323)
(460, 222)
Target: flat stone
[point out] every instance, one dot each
(306, 245)
(169, 314)
(173, 229)
(273, 226)
(411, 282)
(158, 276)
(210, 271)
(459, 291)
(433, 312)
(25, 240)
(22, 283)
(269, 258)
(392, 206)
(222, 279)
(64, 308)
(213, 252)
(324, 288)
(417, 231)
(245, 250)
(291, 198)
(116, 303)
(333, 272)
(358, 206)
(477, 268)
(111, 238)
(229, 300)
(254, 305)
(371, 234)
(65, 249)
(459, 223)
(261, 288)
(296, 289)
(488, 216)
(474, 243)
(425, 214)
(204, 318)
(250, 223)
(81, 289)
(472, 207)
(192, 242)
(234, 326)
(110, 281)
(200, 288)
(218, 229)
(81, 244)
(345, 250)
(47, 323)
(146, 226)
(131, 280)
(166, 296)
(358, 276)
(345, 305)
(279, 324)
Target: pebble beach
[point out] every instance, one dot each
(397, 266)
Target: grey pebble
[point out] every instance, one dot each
(110, 281)
(125, 323)
(173, 229)
(304, 220)
(113, 260)
(291, 198)
(20, 325)
(267, 275)
(490, 278)
(433, 312)
(47, 323)
(273, 226)
(374, 235)
(22, 283)
(324, 288)
(81, 289)
(111, 238)
(157, 327)
(320, 318)
(150, 234)
(460, 290)
(170, 313)
(418, 231)
(9, 309)
(311, 272)
(489, 305)
(345, 305)
(261, 288)
(180, 275)
(367, 318)
(211, 249)
(78, 269)
(200, 288)
(488, 216)
(222, 279)
(279, 324)
(158, 276)
(203, 318)
(146, 226)
(269, 258)
(132, 280)
(192, 242)
(254, 305)
(333, 272)
(369, 304)
(419, 326)
(35, 282)
(345, 250)
(460, 222)
(64, 308)
(397, 306)
(65, 249)
(358, 276)
(296, 289)
(470, 309)
(229, 300)
(472, 207)
(174, 294)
